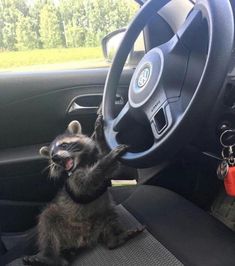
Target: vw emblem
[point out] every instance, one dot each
(143, 77)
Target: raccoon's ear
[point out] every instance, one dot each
(74, 127)
(44, 151)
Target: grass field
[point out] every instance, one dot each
(64, 58)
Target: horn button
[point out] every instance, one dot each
(155, 88)
(146, 78)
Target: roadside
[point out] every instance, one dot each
(50, 59)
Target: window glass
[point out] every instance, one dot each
(58, 34)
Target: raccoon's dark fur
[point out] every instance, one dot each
(82, 213)
(120, 171)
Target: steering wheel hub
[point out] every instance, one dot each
(146, 78)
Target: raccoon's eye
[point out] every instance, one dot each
(64, 145)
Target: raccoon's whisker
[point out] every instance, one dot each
(47, 167)
(44, 170)
(52, 170)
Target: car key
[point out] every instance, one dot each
(226, 169)
(222, 169)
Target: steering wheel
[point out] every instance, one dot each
(175, 84)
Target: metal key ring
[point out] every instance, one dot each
(231, 161)
(222, 135)
(223, 154)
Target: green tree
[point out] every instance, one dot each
(74, 35)
(70, 23)
(1, 30)
(106, 16)
(20, 5)
(34, 13)
(89, 21)
(9, 17)
(26, 37)
(75, 21)
(10, 10)
(50, 27)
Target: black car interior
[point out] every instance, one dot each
(177, 120)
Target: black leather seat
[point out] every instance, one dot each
(191, 235)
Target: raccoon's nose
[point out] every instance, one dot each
(57, 159)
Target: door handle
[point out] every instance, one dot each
(76, 108)
(89, 103)
(84, 104)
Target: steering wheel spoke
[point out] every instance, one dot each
(186, 34)
(121, 119)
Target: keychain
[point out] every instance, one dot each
(226, 169)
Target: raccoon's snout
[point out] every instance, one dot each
(57, 159)
(66, 162)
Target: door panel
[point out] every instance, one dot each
(34, 108)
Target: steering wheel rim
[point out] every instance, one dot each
(177, 52)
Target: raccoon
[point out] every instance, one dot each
(82, 214)
(120, 171)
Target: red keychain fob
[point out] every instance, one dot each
(229, 181)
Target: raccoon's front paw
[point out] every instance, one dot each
(99, 128)
(110, 160)
(119, 151)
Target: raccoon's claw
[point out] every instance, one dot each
(132, 233)
(116, 153)
(119, 150)
(121, 239)
(99, 112)
(33, 260)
